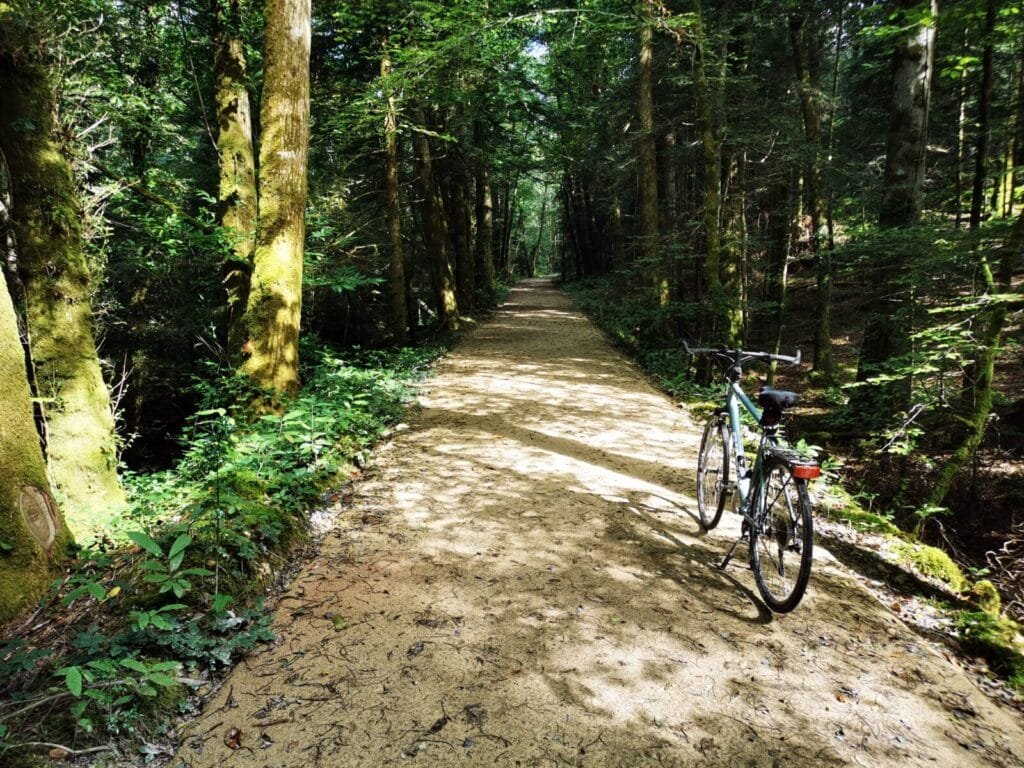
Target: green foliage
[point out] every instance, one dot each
(997, 639)
(987, 597)
(934, 563)
(176, 587)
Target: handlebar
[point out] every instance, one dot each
(740, 356)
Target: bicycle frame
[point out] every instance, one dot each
(734, 398)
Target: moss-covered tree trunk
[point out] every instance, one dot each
(31, 526)
(435, 233)
(45, 217)
(274, 307)
(991, 324)
(461, 226)
(484, 245)
(397, 315)
(236, 196)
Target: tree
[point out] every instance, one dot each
(31, 527)
(236, 196)
(913, 64)
(396, 270)
(810, 111)
(647, 167)
(886, 334)
(274, 306)
(435, 229)
(45, 218)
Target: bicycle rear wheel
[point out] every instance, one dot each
(782, 539)
(713, 472)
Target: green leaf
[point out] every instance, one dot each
(175, 561)
(144, 541)
(221, 602)
(73, 678)
(195, 572)
(96, 590)
(159, 678)
(101, 665)
(161, 623)
(179, 546)
(135, 666)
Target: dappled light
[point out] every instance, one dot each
(522, 580)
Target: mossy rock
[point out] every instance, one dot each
(997, 639)
(841, 506)
(987, 597)
(934, 563)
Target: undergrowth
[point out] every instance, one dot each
(174, 591)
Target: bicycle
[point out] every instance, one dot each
(772, 489)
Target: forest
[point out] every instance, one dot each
(236, 233)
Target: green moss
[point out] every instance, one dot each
(935, 563)
(841, 506)
(987, 597)
(996, 638)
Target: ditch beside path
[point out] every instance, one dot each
(520, 580)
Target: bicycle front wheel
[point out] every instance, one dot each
(713, 472)
(782, 539)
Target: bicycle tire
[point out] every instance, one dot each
(713, 472)
(782, 538)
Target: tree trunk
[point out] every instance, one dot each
(727, 318)
(484, 251)
(435, 232)
(887, 331)
(236, 196)
(908, 123)
(810, 111)
(45, 216)
(274, 308)
(397, 317)
(647, 166)
(461, 223)
(984, 119)
(991, 323)
(30, 523)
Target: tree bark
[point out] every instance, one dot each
(887, 331)
(435, 233)
(397, 317)
(908, 124)
(274, 307)
(647, 166)
(51, 265)
(810, 111)
(30, 522)
(727, 317)
(236, 194)
(484, 246)
(981, 144)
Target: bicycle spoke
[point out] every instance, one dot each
(780, 546)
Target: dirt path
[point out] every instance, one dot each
(520, 581)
